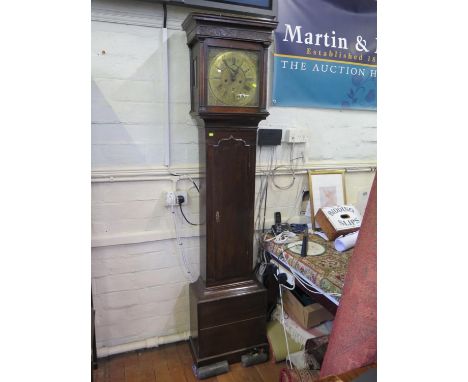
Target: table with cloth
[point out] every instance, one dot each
(326, 271)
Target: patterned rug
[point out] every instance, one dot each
(327, 270)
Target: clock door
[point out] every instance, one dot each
(231, 168)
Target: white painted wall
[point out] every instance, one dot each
(140, 288)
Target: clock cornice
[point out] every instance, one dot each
(200, 26)
(207, 31)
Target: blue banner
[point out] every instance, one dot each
(326, 54)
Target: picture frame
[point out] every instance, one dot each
(326, 188)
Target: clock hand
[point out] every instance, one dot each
(227, 65)
(233, 73)
(239, 66)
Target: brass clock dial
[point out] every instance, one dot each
(232, 78)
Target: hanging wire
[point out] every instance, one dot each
(182, 212)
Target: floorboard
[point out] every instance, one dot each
(270, 371)
(173, 363)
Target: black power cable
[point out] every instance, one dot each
(180, 200)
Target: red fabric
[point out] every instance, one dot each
(353, 341)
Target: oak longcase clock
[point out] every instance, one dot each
(228, 65)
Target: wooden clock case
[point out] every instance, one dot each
(227, 304)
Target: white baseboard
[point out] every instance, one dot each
(144, 344)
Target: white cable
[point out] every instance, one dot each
(281, 238)
(284, 328)
(298, 200)
(188, 274)
(290, 184)
(296, 277)
(258, 201)
(262, 194)
(292, 169)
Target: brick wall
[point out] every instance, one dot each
(139, 283)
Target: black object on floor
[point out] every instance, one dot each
(211, 370)
(253, 359)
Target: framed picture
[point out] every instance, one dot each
(326, 189)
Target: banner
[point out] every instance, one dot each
(326, 54)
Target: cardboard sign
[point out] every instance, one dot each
(338, 220)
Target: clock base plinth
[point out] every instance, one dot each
(227, 321)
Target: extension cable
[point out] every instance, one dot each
(282, 237)
(288, 277)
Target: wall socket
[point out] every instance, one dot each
(171, 198)
(296, 136)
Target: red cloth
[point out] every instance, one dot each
(353, 340)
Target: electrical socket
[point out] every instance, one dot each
(296, 135)
(171, 198)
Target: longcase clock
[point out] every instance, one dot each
(228, 64)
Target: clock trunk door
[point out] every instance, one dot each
(231, 168)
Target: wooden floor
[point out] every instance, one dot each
(173, 363)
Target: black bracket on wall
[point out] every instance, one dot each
(269, 137)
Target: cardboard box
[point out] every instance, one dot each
(307, 316)
(338, 220)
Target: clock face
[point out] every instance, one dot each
(232, 77)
